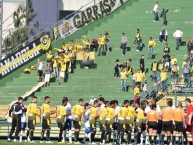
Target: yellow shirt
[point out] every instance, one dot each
(31, 110)
(139, 77)
(93, 112)
(61, 111)
(77, 110)
(46, 110)
(63, 67)
(151, 43)
(131, 111)
(136, 91)
(49, 56)
(123, 75)
(55, 63)
(123, 112)
(64, 46)
(104, 112)
(85, 43)
(67, 57)
(140, 114)
(173, 60)
(163, 75)
(101, 40)
(111, 113)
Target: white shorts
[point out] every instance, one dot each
(62, 74)
(47, 77)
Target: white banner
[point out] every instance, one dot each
(88, 15)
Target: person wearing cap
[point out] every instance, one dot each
(178, 35)
(151, 45)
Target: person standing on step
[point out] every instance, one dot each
(31, 117)
(123, 77)
(154, 68)
(155, 11)
(189, 120)
(77, 112)
(138, 40)
(116, 68)
(123, 43)
(107, 39)
(142, 64)
(40, 69)
(101, 42)
(16, 110)
(46, 120)
(178, 36)
(151, 45)
(179, 122)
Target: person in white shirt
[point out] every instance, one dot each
(178, 35)
(68, 123)
(92, 100)
(85, 120)
(155, 12)
(40, 69)
(101, 102)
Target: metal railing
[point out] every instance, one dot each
(49, 29)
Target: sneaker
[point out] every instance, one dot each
(77, 142)
(137, 50)
(41, 141)
(25, 140)
(70, 142)
(49, 142)
(32, 142)
(9, 140)
(20, 140)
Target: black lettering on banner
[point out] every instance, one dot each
(107, 6)
(84, 19)
(89, 14)
(112, 3)
(95, 11)
(102, 8)
(76, 21)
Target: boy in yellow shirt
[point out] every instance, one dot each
(101, 42)
(77, 112)
(151, 45)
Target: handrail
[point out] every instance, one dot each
(48, 29)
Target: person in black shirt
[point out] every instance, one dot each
(107, 39)
(116, 68)
(163, 15)
(16, 110)
(190, 48)
(142, 64)
(163, 35)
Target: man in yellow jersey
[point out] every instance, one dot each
(102, 119)
(130, 120)
(101, 42)
(151, 45)
(139, 77)
(61, 113)
(46, 120)
(109, 122)
(77, 112)
(123, 77)
(93, 117)
(139, 120)
(122, 121)
(31, 117)
(49, 56)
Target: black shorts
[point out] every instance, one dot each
(109, 127)
(76, 125)
(40, 73)
(45, 124)
(102, 127)
(179, 126)
(120, 128)
(115, 125)
(167, 126)
(128, 128)
(153, 125)
(31, 124)
(92, 127)
(138, 83)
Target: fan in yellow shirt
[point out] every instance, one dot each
(101, 42)
(173, 59)
(61, 113)
(46, 119)
(139, 77)
(151, 45)
(62, 72)
(64, 46)
(77, 112)
(123, 77)
(109, 121)
(163, 75)
(49, 56)
(31, 117)
(136, 90)
(55, 67)
(122, 120)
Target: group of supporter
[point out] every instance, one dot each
(117, 123)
